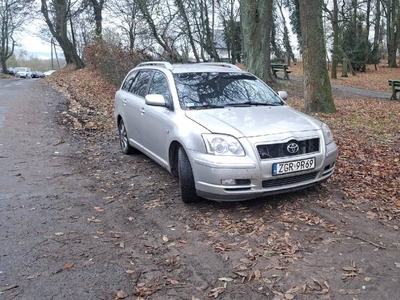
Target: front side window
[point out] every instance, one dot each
(159, 85)
(214, 90)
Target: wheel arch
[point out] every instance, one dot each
(173, 157)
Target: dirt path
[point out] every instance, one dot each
(49, 248)
(79, 220)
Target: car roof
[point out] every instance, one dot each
(217, 67)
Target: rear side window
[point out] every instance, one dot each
(128, 81)
(141, 82)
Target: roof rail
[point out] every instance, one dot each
(156, 63)
(221, 64)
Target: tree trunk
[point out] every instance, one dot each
(392, 10)
(286, 39)
(367, 27)
(257, 21)
(335, 46)
(318, 91)
(377, 23)
(60, 32)
(98, 17)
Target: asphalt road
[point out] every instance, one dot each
(48, 245)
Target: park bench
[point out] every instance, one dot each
(395, 84)
(280, 67)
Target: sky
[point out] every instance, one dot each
(30, 41)
(34, 46)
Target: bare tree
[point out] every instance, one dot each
(14, 14)
(160, 17)
(97, 6)
(188, 27)
(128, 19)
(286, 38)
(57, 18)
(229, 14)
(333, 16)
(318, 91)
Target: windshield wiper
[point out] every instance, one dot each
(250, 103)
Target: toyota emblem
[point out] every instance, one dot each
(292, 148)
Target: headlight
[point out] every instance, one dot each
(219, 144)
(327, 134)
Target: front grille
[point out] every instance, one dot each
(288, 180)
(281, 150)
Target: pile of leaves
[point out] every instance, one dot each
(90, 99)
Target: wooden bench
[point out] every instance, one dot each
(395, 84)
(281, 67)
(278, 60)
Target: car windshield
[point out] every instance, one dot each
(216, 90)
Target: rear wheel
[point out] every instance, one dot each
(123, 139)
(186, 179)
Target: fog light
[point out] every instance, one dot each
(228, 181)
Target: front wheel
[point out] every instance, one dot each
(124, 140)
(186, 179)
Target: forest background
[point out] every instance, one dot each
(114, 36)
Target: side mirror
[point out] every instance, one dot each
(283, 95)
(155, 100)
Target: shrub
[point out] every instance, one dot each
(112, 61)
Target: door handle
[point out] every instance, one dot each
(142, 111)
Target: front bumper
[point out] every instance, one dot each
(256, 175)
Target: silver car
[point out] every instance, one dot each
(23, 72)
(223, 132)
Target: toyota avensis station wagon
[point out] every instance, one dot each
(222, 131)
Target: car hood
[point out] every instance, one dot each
(253, 121)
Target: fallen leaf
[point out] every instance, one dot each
(371, 215)
(129, 271)
(68, 266)
(98, 209)
(226, 279)
(348, 268)
(59, 233)
(216, 292)
(121, 295)
(173, 281)
(94, 220)
(165, 239)
(367, 279)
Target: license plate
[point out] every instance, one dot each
(293, 166)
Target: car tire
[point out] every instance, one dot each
(186, 179)
(124, 140)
